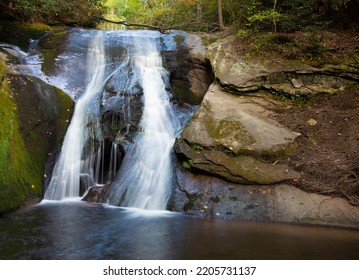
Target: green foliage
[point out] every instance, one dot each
(264, 19)
(200, 15)
(197, 147)
(314, 48)
(352, 86)
(81, 12)
(187, 164)
(294, 15)
(244, 33)
(197, 15)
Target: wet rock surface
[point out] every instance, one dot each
(190, 70)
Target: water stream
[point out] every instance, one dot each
(144, 178)
(70, 166)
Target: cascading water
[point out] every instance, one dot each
(65, 181)
(133, 69)
(144, 180)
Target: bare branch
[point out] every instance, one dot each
(124, 22)
(159, 28)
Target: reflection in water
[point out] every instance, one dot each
(79, 230)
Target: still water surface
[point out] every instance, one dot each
(79, 230)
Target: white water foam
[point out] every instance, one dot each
(65, 181)
(144, 180)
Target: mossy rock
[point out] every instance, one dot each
(235, 138)
(33, 119)
(20, 34)
(288, 79)
(179, 39)
(239, 169)
(181, 89)
(51, 47)
(19, 177)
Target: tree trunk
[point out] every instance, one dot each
(274, 21)
(220, 15)
(199, 12)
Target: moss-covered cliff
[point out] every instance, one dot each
(19, 177)
(33, 117)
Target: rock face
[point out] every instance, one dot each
(233, 155)
(292, 79)
(191, 72)
(234, 137)
(202, 195)
(184, 57)
(34, 117)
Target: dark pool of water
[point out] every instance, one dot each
(79, 230)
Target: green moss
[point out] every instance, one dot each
(19, 34)
(186, 165)
(66, 106)
(51, 47)
(228, 129)
(197, 147)
(20, 176)
(352, 86)
(208, 39)
(285, 96)
(179, 39)
(181, 91)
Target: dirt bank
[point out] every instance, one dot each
(328, 148)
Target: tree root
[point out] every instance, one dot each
(348, 184)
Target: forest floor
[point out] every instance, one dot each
(328, 148)
(314, 48)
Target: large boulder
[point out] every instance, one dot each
(34, 117)
(234, 137)
(240, 73)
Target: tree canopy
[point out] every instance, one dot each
(196, 15)
(81, 12)
(206, 15)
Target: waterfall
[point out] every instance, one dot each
(144, 179)
(70, 166)
(132, 72)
